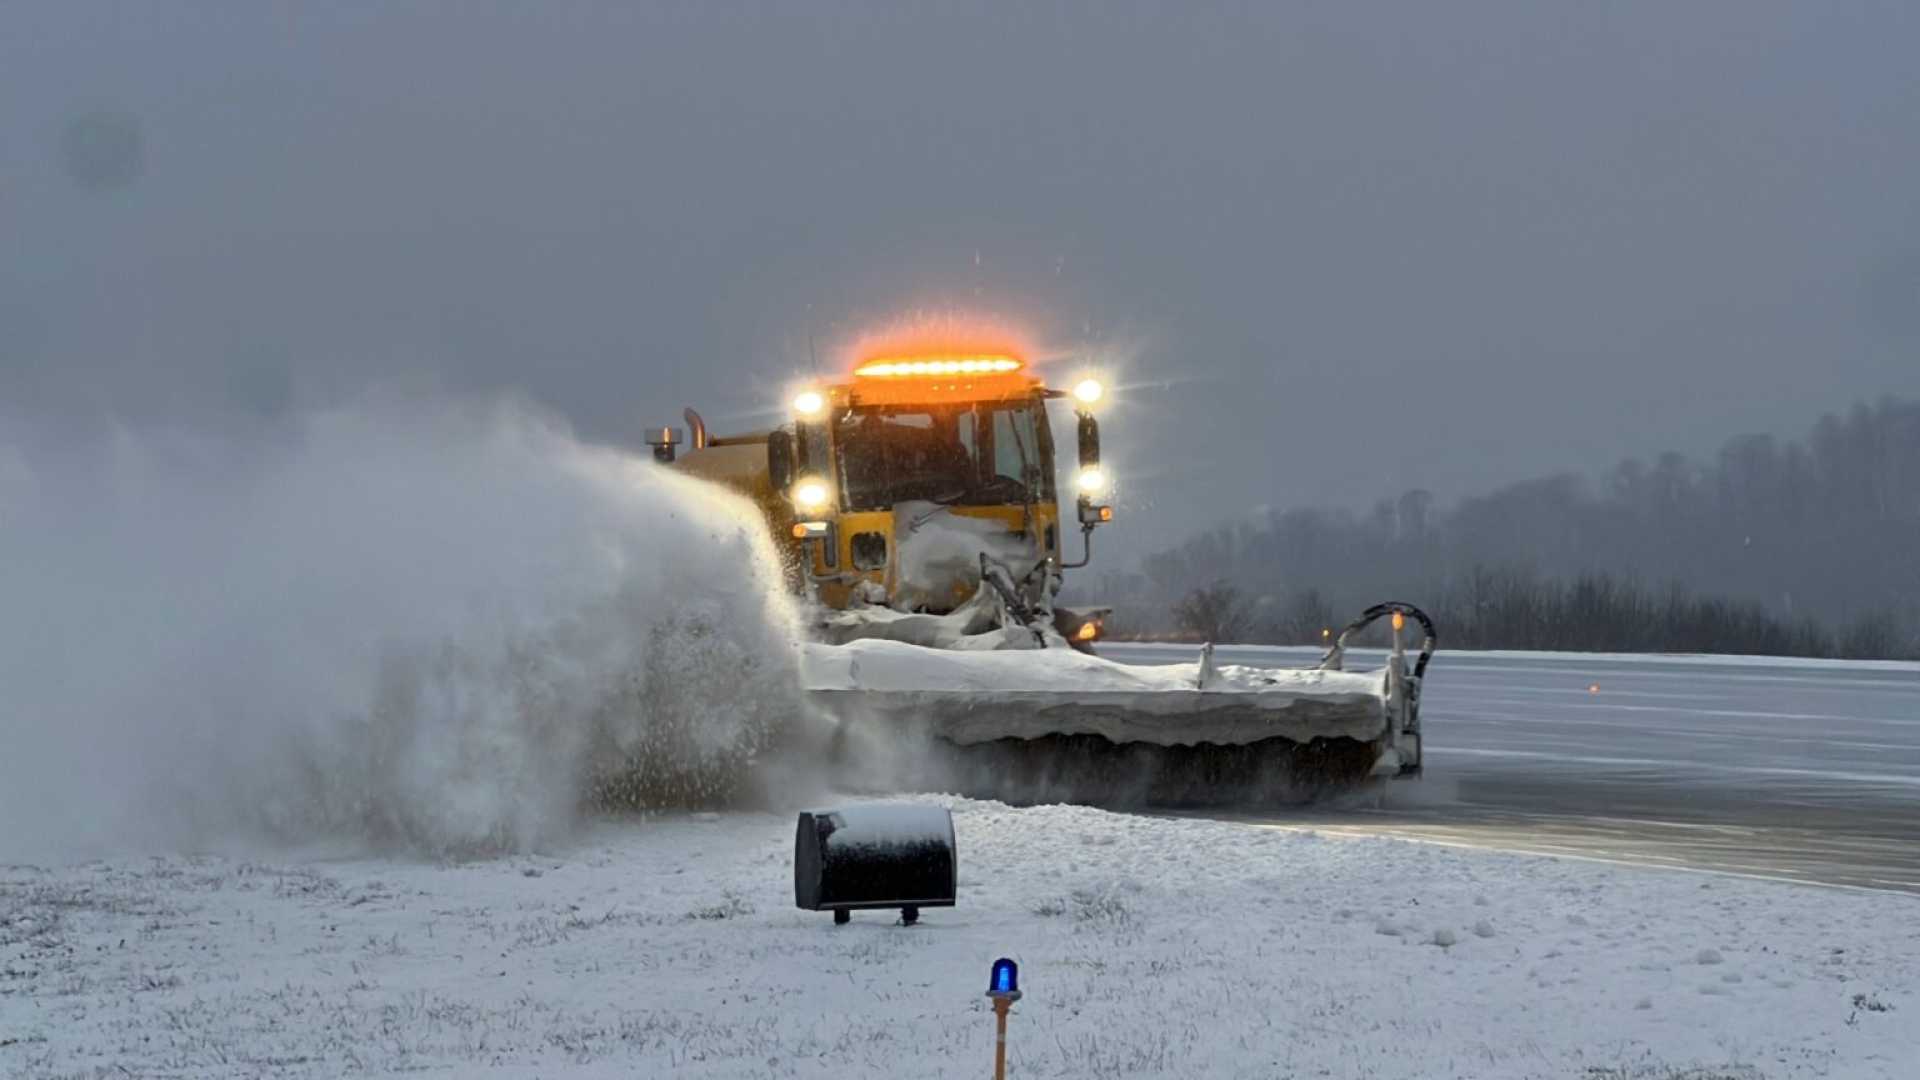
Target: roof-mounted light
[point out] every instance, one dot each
(922, 366)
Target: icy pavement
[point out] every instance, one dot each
(1775, 767)
(1148, 947)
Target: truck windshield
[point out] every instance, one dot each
(977, 454)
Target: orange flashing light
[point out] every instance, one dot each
(911, 366)
(1087, 631)
(1399, 621)
(1106, 513)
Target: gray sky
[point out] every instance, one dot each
(1334, 249)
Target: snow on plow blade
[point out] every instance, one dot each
(1063, 726)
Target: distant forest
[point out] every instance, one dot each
(1808, 547)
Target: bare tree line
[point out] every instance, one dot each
(1807, 547)
(1514, 609)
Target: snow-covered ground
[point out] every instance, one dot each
(1148, 947)
(435, 630)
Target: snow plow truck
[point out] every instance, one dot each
(916, 505)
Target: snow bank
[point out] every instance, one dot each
(1153, 651)
(441, 625)
(971, 697)
(1148, 947)
(890, 665)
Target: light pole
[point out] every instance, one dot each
(1003, 986)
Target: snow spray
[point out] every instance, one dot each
(440, 626)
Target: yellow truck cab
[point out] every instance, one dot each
(889, 485)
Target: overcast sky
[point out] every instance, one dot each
(1333, 250)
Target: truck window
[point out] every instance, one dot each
(956, 456)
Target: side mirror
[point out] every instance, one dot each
(1089, 441)
(780, 461)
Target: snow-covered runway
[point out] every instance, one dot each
(1801, 769)
(1148, 947)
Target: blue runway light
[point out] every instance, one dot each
(1005, 981)
(1003, 986)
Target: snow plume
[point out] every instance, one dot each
(441, 626)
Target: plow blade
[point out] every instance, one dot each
(1088, 770)
(1056, 725)
(1183, 749)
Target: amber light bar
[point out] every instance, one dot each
(898, 367)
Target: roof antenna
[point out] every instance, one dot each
(813, 355)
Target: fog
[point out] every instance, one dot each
(1332, 251)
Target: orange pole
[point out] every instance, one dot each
(1000, 1006)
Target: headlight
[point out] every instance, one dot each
(1088, 391)
(1092, 481)
(809, 404)
(810, 495)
